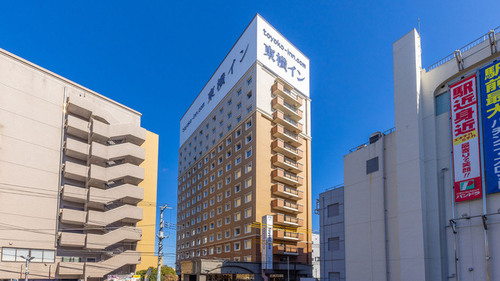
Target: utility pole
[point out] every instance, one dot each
(160, 242)
(28, 258)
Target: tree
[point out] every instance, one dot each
(167, 274)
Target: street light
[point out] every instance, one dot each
(28, 258)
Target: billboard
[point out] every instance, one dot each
(267, 242)
(489, 83)
(260, 41)
(465, 140)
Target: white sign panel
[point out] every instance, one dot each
(260, 41)
(267, 242)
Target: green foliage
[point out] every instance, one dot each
(167, 274)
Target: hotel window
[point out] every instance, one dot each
(219, 172)
(227, 234)
(212, 154)
(248, 138)
(249, 81)
(237, 202)
(221, 110)
(218, 249)
(237, 146)
(228, 179)
(220, 135)
(229, 115)
(219, 223)
(212, 178)
(248, 228)
(212, 201)
(227, 220)
(228, 141)
(219, 197)
(237, 188)
(220, 147)
(238, 119)
(205, 171)
(237, 216)
(219, 185)
(248, 244)
(238, 105)
(220, 160)
(212, 166)
(219, 236)
(237, 246)
(248, 124)
(248, 197)
(212, 226)
(248, 212)
(237, 231)
(228, 207)
(205, 193)
(228, 153)
(228, 167)
(248, 167)
(219, 210)
(212, 213)
(237, 160)
(248, 153)
(237, 133)
(227, 248)
(239, 92)
(228, 193)
(248, 182)
(212, 189)
(205, 239)
(211, 251)
(205, 216)
(229, 102)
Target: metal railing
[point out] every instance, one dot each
(385, 133)
(462, 50)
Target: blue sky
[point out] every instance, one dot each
(155, 56)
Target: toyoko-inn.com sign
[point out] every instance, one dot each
(260, 41)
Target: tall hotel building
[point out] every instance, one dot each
(77, 179)
(244, 154)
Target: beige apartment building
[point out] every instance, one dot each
(244, 153)
(77, 179)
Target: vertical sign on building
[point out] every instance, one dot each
(490, 110)
(267, 242)
(465, 136)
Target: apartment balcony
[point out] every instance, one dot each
(125, 213)
(280, 104)
(128, 152)
(286, 235)
(76, 149)
(286, 135)
(132, 133)
(126, 193)
(77, 127)
(75, 171)
(286, 250)
(68, 239)
(280, 146)
(80, 107)
(287, 191)
(70, 269)
(286, 177)
(280, 118)
(279, 88)
(99, 269)
(70, 216)
(286, 206)
(75, 194)
(279, 160)
(127, 172)
(123, 234)
(286, 220)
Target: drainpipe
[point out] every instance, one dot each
(384, 191)
(61, 153)
(442, 226)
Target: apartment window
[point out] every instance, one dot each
(228, 219)
(248, 167)
(249, 81)
(228, 153)
(237, 146)
(248, 182)
(237, 133)
(212, 189)
(229, 115)
(238, 92)
(219, 197)
(212, 201)
(220, 160)
(248, 244)
(220, 147)
(237, 216)
(238, 119)
(333, 210)
(205, 216)
(229, 102)
(249, 108)
(238, 105)
(247, 258)
(219, 223)
(248, 138)
(248, 124)
(219, 172)
(206, 158)
(211, 251)
(219, 236)
(248, 197)
(205, 239)
(228, 206)
(227, 234)
(212, 178)
(221, 110)
(248, 153)
(205, 171)
(333, 244)
(237, 202)
(228, 141)
(248, 213)
(237, 160)
(212, 213)
(212, 166)
(212, 154)
(236, 259)
(237, 188)
(228, 167)
(212, 225)
(227, 248)
(218, 249)
(14, 254)
(228, 179)
(237, 246)
(219, 185)
(219, 210)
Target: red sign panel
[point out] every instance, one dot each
(465, 136)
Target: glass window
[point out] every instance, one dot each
(8, 254)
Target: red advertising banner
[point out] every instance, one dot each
(465, 135)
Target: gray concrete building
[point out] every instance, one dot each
(331, 227)
(315, 256)
(408, 214)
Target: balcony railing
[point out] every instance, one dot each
(288, 136)
(286, 177)
(287, 220)
(279, 160)
(286, 206)
(291, 125)
(279, 88)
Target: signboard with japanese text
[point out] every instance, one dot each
(489, 78)
(267, 242)
(465, 138)
(260, 41)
